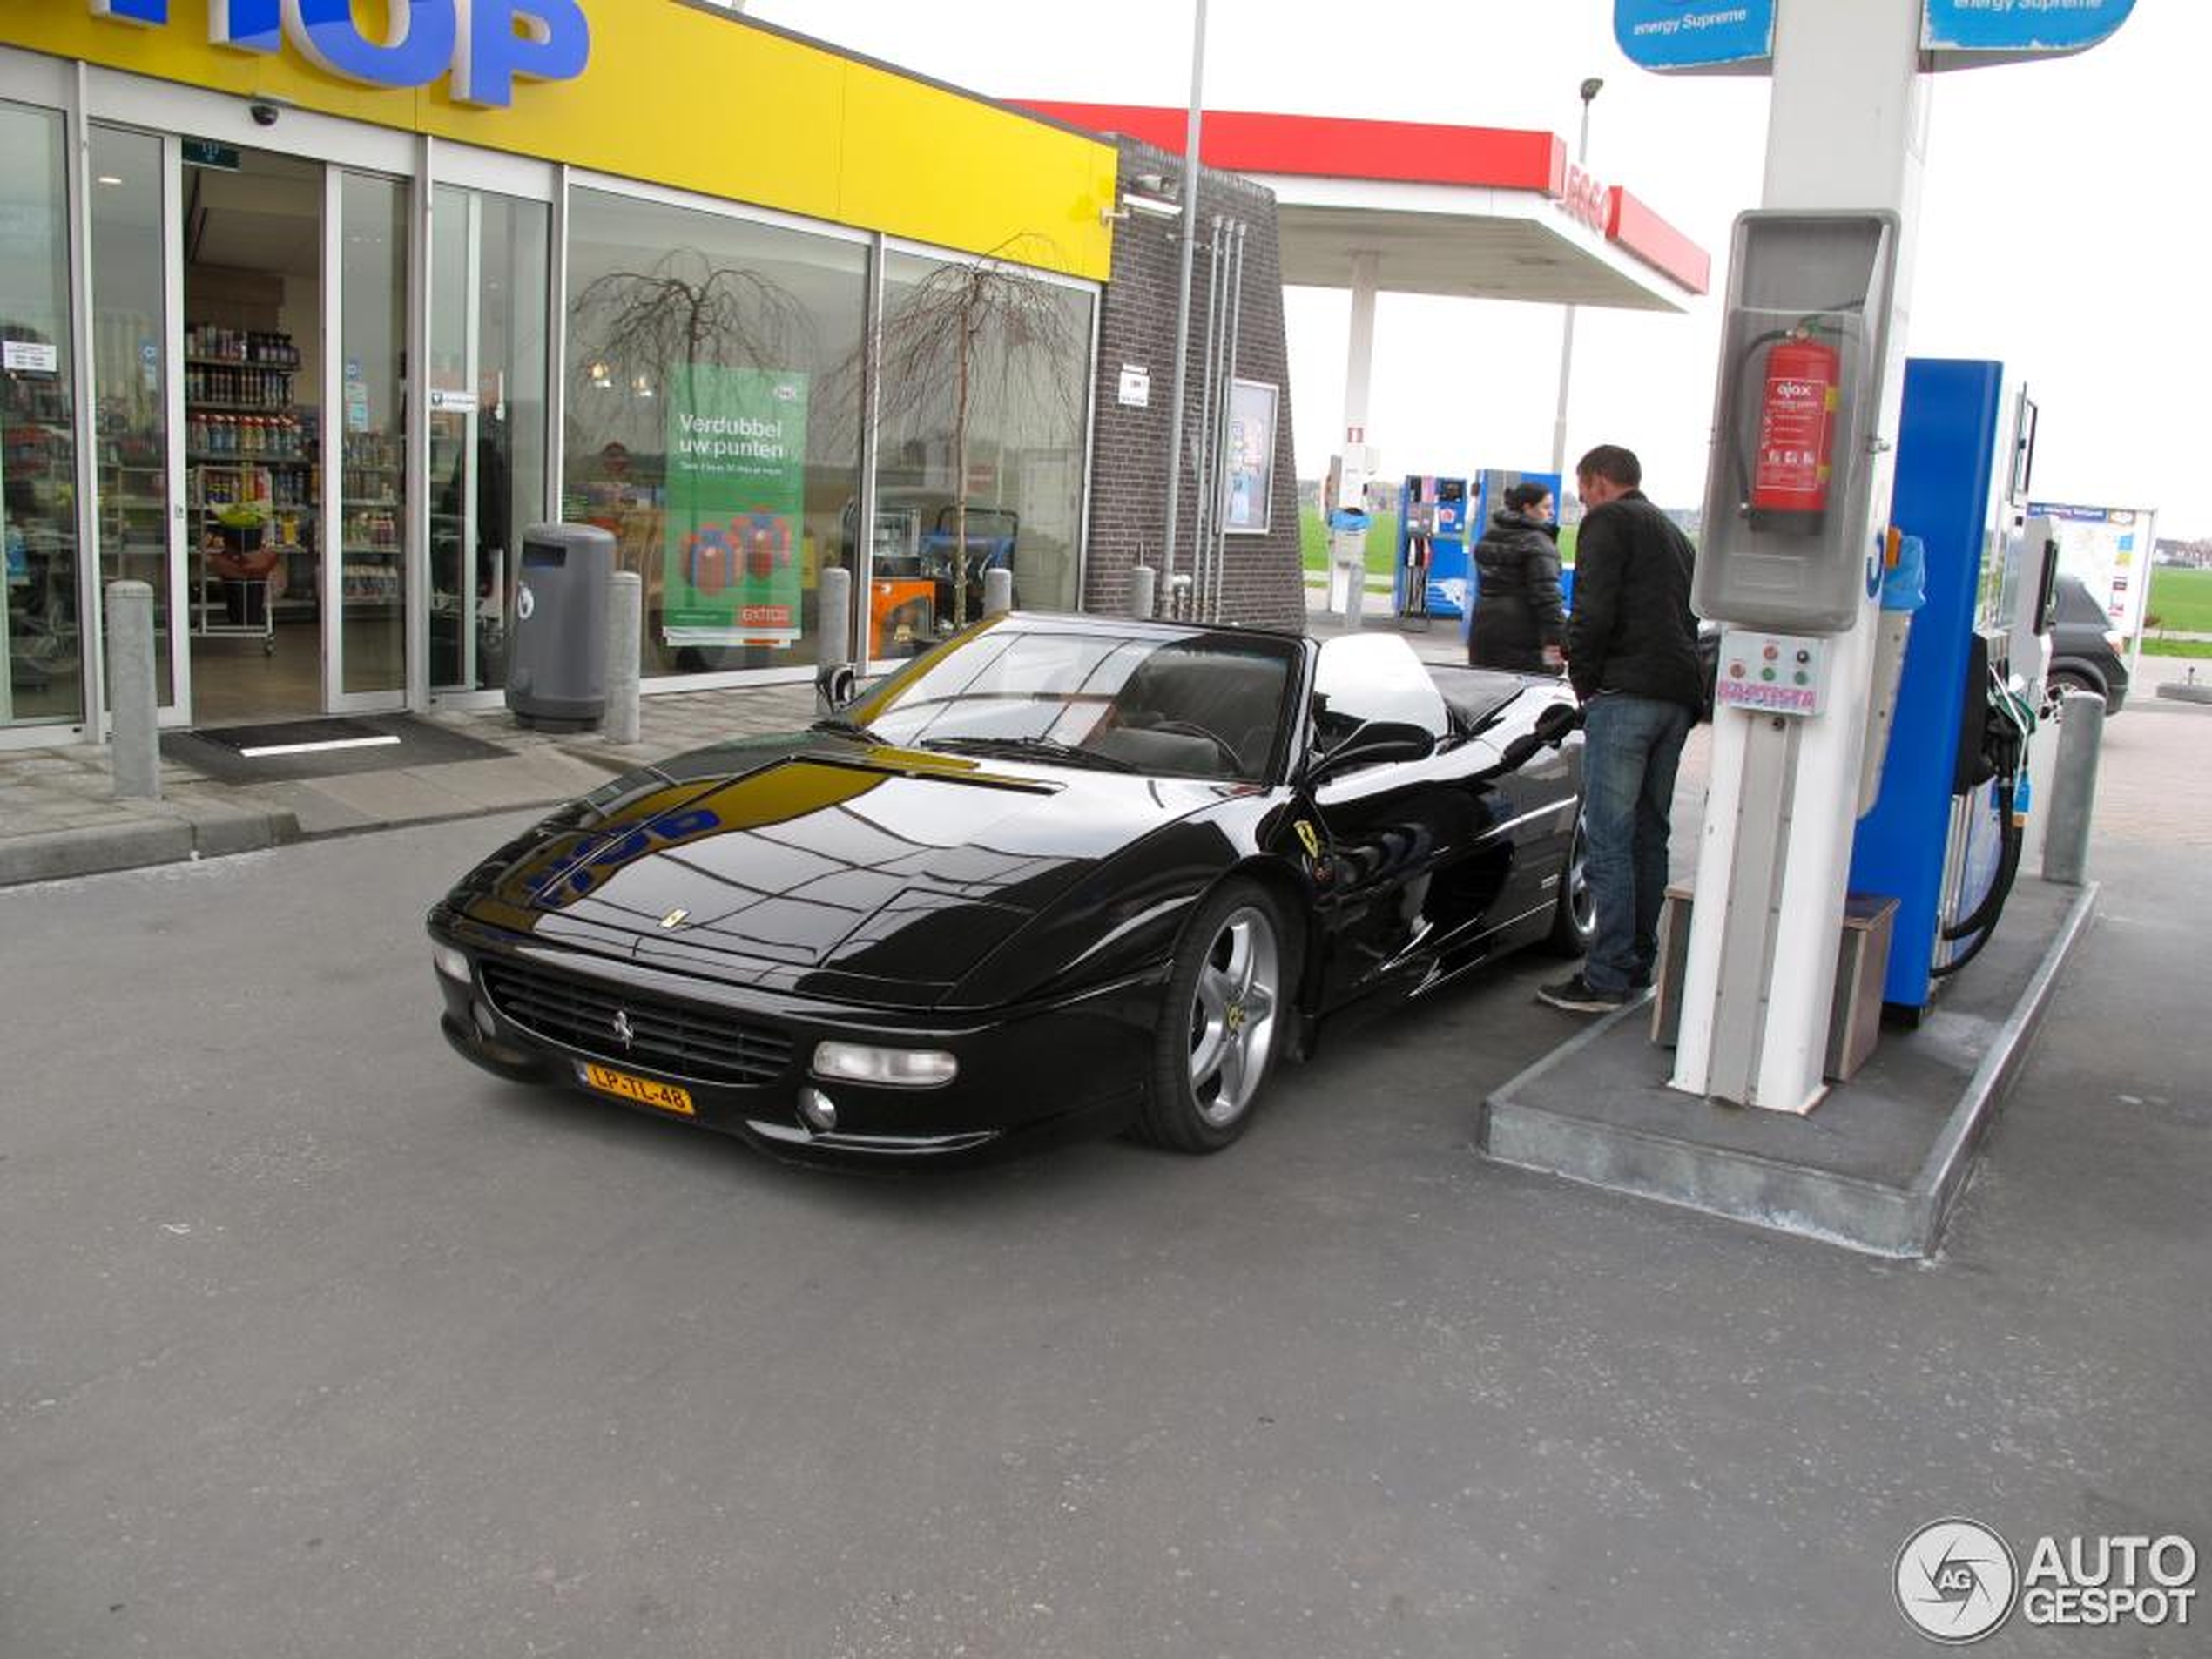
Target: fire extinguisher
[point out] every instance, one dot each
(1794, 458)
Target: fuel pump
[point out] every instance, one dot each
(1945, 835)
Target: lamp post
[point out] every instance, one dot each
(1182, 296)
(1590, 88)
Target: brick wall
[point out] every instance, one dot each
(1261, 580)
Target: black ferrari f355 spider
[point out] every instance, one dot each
(1060, 874)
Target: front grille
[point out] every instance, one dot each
(683, 1039)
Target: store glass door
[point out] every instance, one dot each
(365, 563)
(134, 301)
(489, 289)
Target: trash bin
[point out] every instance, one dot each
(556, 653)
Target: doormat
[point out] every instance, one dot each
(290, 750)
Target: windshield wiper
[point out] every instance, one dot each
(1032, 749)
(845, 728)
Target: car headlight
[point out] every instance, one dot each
(862, 1062)
(452, 963)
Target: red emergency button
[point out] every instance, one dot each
(1773, 651)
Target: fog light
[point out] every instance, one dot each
(862, 1063)
(817, 1109)
(452, 963)
(485, 1023)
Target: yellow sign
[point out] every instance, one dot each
(1310, 838)
(681, 96)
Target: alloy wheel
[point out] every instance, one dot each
(1232, 1016)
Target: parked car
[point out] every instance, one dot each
(1060, 874)
(2085, 647)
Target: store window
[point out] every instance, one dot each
(712, 421)
(129, 366)
(41, 640)
(979, 462)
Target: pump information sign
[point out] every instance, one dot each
(2109, 549)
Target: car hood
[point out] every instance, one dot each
(822, 867)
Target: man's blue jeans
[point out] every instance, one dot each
(1631, 746)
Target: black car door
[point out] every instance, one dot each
(1413, 868)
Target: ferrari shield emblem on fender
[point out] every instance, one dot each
(1309, 838)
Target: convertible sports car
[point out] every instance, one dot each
(1062, 873)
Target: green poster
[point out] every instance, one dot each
(737, 490)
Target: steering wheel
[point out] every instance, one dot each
(1191, 729)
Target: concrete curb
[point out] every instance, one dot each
(1950, 1161)
(184, 831)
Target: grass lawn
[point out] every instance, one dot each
(2181, 600)
(2153, 646)
(1382, 542)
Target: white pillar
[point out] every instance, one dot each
(1359, 356)
(1846, 131)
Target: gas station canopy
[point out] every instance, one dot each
(1479, 213)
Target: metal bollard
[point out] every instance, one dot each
(2073, 788)
(998, 592)
(626, 613)
(833, 609)
(135, 751)
(1142, 580)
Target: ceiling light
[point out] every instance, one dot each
(108, 179)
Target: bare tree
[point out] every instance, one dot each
(985, 328)
(687, 308)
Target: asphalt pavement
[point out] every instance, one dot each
(315, 1341)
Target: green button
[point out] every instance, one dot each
(1766, 673)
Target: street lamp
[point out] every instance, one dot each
(1591, 87)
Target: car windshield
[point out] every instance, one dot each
(1194, 705)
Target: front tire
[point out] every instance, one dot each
(1575, 921)
(1226, 1007)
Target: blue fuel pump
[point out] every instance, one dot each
(1936, 837)
(1439, 520)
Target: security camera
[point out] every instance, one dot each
(265, 115)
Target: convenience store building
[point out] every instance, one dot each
(651, 265)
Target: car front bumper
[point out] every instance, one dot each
(1031, 1074)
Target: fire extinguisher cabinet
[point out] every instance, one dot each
(556, 659)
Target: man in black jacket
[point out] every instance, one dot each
(1632, 656)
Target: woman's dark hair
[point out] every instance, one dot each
(1520, 497)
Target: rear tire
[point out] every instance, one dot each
(1574, 918)
(1224, 1014)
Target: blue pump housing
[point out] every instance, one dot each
(1946, 465)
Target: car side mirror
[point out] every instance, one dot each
(835, 686)
(1548, 730)
(1373, 743)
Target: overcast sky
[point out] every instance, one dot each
(2056, 230)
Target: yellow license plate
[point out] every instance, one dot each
(667, 1097)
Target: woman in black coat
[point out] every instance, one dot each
(1519, 618)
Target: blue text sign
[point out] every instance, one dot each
(1700, 34)
(2020, 28)
(485, 45)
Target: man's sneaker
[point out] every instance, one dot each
(1578, 995)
